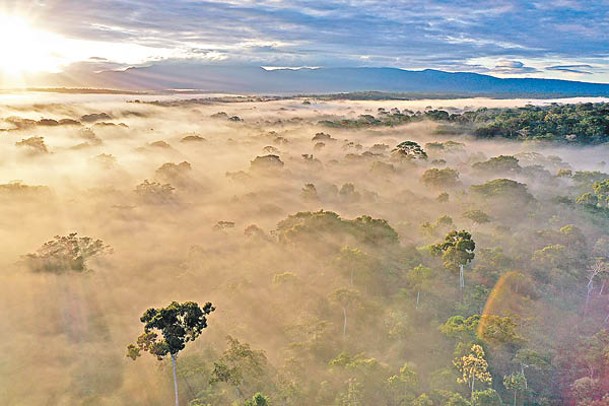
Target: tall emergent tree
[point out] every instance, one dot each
(457, 250)
(473, 366)
(168, 329)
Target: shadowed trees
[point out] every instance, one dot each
(66, 253)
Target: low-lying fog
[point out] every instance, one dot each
(64, 335)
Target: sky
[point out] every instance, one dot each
(566, 39)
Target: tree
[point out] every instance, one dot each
(516, 383)
(477, 216)
(457, 250)
(266, 163)
(240, 366)
(446, 177)
(35, 145)
(473, 366)
(155, 192)
(345, 298)
(487, 397)
(258, 400)
(66, 253)
(598, 269)
(499, 164)
(418, 278)
(410, 150)
(403, 386)
(503, 189)
(353, 262)
(168, 329)
(309, 193)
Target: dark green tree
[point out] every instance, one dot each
(258, 400)
(457, 250)
(168, 329)
(410, 150)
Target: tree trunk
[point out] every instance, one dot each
(472, 395)
(461, 277)
(417, 306)
(344, 322)
(175, 378)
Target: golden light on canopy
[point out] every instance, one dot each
(511, 297)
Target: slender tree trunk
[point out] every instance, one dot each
(600, 292)
(417, 306)
(461, 277)
(590, 287)
(175, 378)
(472, 395)
(515, 392)
(344, 322)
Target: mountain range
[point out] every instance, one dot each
(257, 80)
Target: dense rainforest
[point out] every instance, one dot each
(355, 254)
(583, 123)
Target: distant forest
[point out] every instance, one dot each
(584, 123)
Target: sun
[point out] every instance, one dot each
(25, 49)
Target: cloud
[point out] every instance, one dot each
(585, 69)
(402, 33)
(507, 67)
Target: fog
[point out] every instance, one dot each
(64, 334)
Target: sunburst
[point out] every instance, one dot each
(25, 48)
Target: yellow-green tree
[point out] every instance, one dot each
(473, 367)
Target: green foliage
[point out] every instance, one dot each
(499, 330)
(410, 150)
(499, 164)
(435, 177)
(461, 327)
(503, 188)
(599, 197)
(477, 216)
(515, 383)
(258, 400)
(240, 366)
(324, 227)
(488, 397)
(418, 276)
(583, 123)
(404, 387)
(68, 253)
(168, 329)
(456, 249)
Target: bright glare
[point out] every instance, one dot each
(25, 49)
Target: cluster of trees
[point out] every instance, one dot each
(584, 123)
(350, 273)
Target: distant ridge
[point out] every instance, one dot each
(246, 79)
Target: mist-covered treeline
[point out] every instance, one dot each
(332, 257)
(581, 123)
